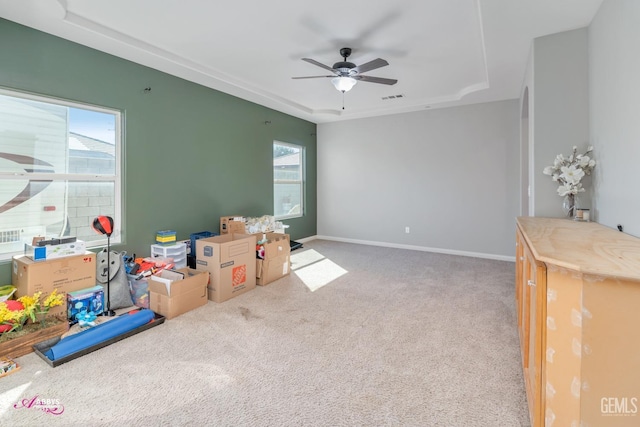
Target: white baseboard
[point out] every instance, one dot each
(410, 247)
(307, 239)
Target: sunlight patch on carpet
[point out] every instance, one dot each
(9, 397)
(303, 258)
(319, 274)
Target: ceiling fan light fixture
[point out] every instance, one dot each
(344, 84)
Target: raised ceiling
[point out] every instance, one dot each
(442, 52)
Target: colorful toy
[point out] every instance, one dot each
(86, 319)
(260, 246)
(90, 300)
(11, 305)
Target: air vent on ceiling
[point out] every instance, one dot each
(384, 98)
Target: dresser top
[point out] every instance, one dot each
(586, 247)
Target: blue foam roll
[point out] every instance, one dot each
(99, 333)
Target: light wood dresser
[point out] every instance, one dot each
(578, 299)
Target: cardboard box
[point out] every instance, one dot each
(90, 300)
(64, 274)
(276, 263)
(230, 259)
(173, 296)
(41, 253)
(231, 224)
(196, 236)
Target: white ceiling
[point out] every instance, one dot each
(442, 52)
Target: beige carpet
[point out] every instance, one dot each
(388, 337)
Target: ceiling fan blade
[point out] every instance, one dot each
(371, 65)
(311, 77)
(314, 62)
(371, 79)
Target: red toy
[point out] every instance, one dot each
(12, 305)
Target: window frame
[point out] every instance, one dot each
(115, 178)
(302, 180)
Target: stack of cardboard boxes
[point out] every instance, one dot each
(78, 273)
(232, 263)
(226, 266)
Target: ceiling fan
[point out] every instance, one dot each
(347, 74)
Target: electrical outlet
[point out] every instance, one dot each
(406, 230)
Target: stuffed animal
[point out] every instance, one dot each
(117, 293)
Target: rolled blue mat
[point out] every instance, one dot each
(99, 333)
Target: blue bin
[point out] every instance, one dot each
(200, 235)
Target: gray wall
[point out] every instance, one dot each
(451, 175)
(558, 91)
(614, 85)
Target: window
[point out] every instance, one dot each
(288, 180)
(59, 169)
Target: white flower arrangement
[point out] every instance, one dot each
(570, 171)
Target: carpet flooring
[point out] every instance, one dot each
(356, 336)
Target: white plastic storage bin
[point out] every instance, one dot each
(177, 252)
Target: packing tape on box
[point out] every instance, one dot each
(99, 333)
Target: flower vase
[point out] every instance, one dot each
(569, 205)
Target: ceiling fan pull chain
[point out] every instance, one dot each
(343, 100)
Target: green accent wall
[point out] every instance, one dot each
(191, 154)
